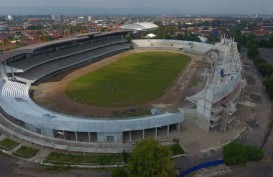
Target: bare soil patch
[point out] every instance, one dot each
(250, 79)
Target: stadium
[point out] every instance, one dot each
(24, 69)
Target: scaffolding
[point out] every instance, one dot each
(216, 103)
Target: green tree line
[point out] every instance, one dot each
(252, 45)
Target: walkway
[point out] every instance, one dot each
(54, 143)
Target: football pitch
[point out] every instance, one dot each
(134, 79)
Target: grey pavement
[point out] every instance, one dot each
(5, 171)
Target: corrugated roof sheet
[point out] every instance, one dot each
(143, 26)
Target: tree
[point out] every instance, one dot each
(265, 68)
(254, 153)
(119, 172)
(252, 50)
(165, 31)
(150, 159)
(234, 154)
(35, 27)
(238, 154)
(268, 83)
(188, 37)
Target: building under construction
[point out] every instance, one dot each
(216, 102)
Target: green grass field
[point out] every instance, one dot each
(135, 79)
(8, 144)
(26, 152)
(60, 158)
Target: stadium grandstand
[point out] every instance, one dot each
(22, 67)
(25, 66)
(31, 63)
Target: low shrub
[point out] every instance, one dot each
(234, 154)
(254, 153)
(238, 154)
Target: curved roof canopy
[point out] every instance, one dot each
(31, 48)
(144, 26)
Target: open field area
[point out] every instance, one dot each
(134, 79)
(51, 93)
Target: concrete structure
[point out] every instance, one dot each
(21, 109)
(203, 39)
(56, 17)
(187, 46)
(89, 18)
(3, 28)
(10, 18)
(150, 35)
(24, 66)
(216, 104)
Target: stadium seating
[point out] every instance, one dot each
(16, 102)
(27, 65)
(44, 58)
(45, 69)
(195, 47)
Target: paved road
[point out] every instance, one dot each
(186, 162)
(4, 169)
(10, 167)
(259, 169)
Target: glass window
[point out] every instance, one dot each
(110, 138)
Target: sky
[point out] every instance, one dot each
(144, 6)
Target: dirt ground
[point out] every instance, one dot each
(258, 118)
(51, 92)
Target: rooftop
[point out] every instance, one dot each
(32, 48)
(144, 26)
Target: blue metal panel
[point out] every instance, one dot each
(200, 166)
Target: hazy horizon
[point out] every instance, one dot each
(136, 7)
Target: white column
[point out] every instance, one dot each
(64, 134)
(178, 128)
(76, 135)
(130, 136)
(143, 133)
(168, 130)
(155, 132)
(89, 137)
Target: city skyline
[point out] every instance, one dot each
(141, 7)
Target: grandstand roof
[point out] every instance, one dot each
(31, 48)
(144, 26)
(88, 34)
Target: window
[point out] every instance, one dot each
(110, 138)
(39, 130)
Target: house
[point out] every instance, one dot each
(261, 33)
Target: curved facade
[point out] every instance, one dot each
(23, 67)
